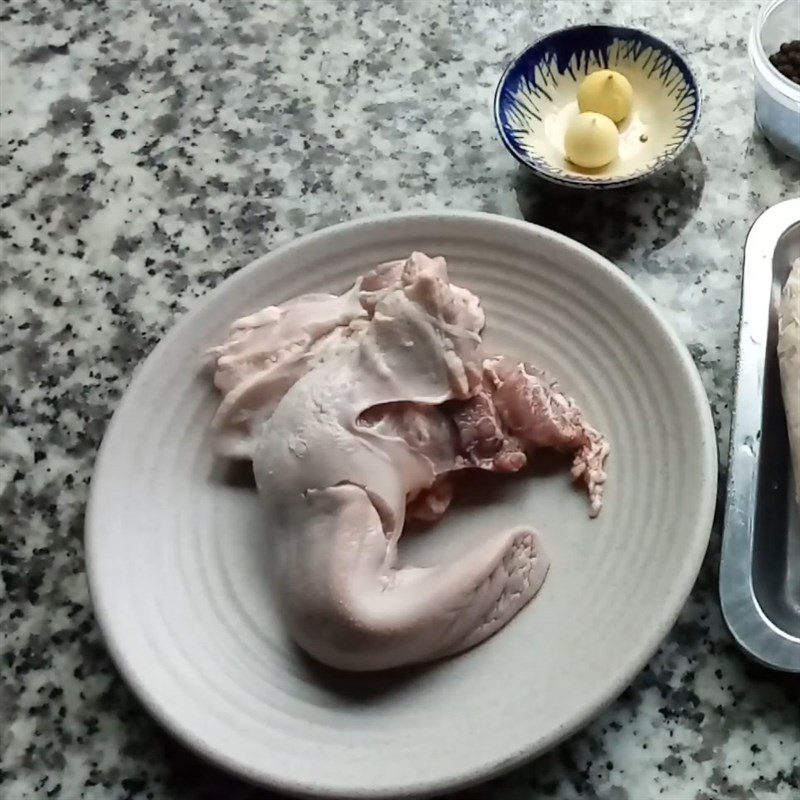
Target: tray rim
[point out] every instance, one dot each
(752, 629)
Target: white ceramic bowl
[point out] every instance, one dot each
(536, 98)
(176, 549)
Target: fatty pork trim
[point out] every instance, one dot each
(352, 406)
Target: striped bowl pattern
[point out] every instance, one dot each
(537, 84)
(177, 553)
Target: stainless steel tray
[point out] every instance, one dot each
(760, 569)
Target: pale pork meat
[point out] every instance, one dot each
(789, 360)
(357, 411)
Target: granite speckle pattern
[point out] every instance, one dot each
(150, 149)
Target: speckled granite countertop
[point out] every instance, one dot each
(150, 149)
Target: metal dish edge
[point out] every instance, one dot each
(773, 639)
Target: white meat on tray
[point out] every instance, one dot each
(789, 359)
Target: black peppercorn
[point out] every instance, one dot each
(786, 60)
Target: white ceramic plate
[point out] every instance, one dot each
(176, 548)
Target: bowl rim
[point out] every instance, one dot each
(586, 182)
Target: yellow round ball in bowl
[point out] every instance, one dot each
(606, 92)
(591, 140)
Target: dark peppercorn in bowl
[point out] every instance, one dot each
(787, 60)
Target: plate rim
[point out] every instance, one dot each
(468, 776)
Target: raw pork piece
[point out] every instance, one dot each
(356, 412)
(789, 359)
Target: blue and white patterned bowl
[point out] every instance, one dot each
(537, 97)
